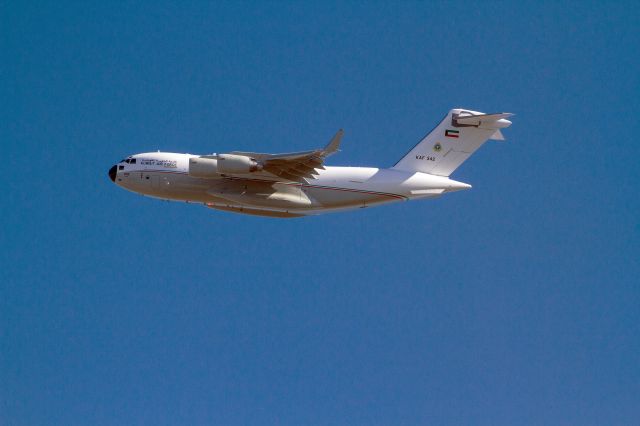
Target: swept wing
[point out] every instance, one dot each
(295, 166)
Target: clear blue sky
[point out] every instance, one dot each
(514, 303)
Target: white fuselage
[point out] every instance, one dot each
(166, 175)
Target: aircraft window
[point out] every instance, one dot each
(128, 160)
(133, 161)
(120, 167)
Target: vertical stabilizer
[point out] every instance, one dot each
(454, 140)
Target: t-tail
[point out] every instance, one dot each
(455, 139)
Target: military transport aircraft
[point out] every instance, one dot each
(299, 184)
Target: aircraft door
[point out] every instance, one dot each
(159, 181)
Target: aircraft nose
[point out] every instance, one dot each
(112, 173)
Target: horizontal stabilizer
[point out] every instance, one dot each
(486, 121)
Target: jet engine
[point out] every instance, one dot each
(230, 163)
(211, 167)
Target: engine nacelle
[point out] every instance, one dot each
(224, 164)
(230, 163)
(203, 167)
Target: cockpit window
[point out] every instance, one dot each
(133, 161)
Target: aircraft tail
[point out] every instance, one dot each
(455, 139)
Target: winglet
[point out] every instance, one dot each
(334, 144)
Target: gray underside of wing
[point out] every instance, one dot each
(295, 166)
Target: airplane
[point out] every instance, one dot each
(299, 184)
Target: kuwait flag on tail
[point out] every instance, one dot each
(452, 133)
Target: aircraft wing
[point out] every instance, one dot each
(295, 166)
